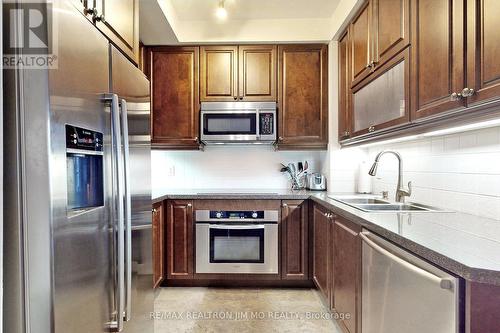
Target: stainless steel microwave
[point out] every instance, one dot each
(238, 122)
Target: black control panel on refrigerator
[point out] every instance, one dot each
(83, 139)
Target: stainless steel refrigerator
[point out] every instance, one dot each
(77, 199)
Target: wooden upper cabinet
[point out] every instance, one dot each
(158, 244)
(391, 28)
(180, 239)
(347, 272)
(119, 21)
(175, 100)
(219, 73)
(360, 44)
(257, 72)
(483, 50)
(344, 89)
(294, 240)
(322, 243)
(303, 96)
(438, 66)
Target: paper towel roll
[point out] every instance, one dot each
(364, 179)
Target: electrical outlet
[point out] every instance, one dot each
(171, 171)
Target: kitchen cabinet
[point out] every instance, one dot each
(238, 73)
(294, 240)
(303, 96)
(438, 66)
(180, 243)
(219, 73)
(382, 100)
(344, 116)
(360, 40)
(347, 273)
(322, 243)
(257, 72)
(119, 21)
(390, 29)
(483, 51)
(158, 244)
(175, 97)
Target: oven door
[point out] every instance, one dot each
(240, 248)
(237, 126)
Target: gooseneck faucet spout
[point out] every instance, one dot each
(401, 192)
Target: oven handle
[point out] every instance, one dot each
(239, 227)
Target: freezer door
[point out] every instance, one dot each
(132, 87)
(402, 293)
(83, 237)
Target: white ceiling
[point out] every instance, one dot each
(255, 9)
(167, 22)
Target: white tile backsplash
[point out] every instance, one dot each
(241, 167)
(459, 172)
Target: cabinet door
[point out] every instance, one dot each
(175, 112)
(219, 73)
(382, 100)
(391, 28)
(294, 240)
(257, 72)
(344, 89)
(347, 272)
(180, 239)
(158, 245)
(483, 50)
(438, 66)
(321, 250)
(119, 21)
(303, 96)
(360, 44)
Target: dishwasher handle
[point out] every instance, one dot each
(443, 282)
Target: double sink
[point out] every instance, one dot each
(375, 204)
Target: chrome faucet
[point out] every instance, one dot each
(401, 192)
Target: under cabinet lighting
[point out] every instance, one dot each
(221, 11)
(465, 128)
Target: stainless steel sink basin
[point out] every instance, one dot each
(374, 204)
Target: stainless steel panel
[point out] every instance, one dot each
(204, 216)
(82, 242)
(270, 265)
(402, 293)
(130, 84)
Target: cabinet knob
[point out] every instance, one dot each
(195, 139)
(154, 210)
(280, 138)
(285, 205)
(371, 129)
(241, 98)
(235, 98)
(345, 135)
(99, 18)
(468, 92)
(190, 205)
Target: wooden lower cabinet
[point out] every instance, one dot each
(294, 240)
(180, 245)
(158, 244)
(322, 242)
(347, 273)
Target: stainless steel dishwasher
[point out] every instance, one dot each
(402, 293)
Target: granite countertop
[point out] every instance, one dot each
(464, 244)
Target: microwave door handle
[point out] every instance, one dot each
(128, 211)
(118, 216)
(238, 227)
(257, 124)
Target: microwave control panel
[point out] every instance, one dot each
(266, 124)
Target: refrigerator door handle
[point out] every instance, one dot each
(116, 325)
(128, 213)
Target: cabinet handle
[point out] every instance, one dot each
(99, 18)
(190, 205)
(371, 129)
(467, 92)
(455, 96)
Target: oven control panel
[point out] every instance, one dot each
(236, 214)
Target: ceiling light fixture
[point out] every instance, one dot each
(221, 12)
